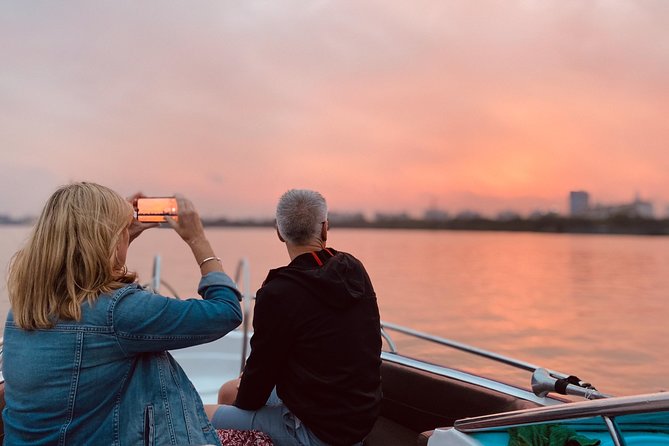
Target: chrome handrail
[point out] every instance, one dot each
(244, 273)
(389, 340)
(609, 407)
(155, 277)
(156, 280)
(547, 377)
(466, 348)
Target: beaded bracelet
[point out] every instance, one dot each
(208, 259)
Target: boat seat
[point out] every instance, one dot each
(420, 401)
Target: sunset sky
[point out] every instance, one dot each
(382, 105)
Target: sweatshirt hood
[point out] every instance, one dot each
(335, 278)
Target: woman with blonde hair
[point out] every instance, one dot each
(85, 347)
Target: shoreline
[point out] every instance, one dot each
(619, 225)
(547, 224)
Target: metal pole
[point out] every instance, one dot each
(155, 279)
(244, 270)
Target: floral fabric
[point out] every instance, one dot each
(232, 437)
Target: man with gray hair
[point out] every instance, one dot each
(313, 375)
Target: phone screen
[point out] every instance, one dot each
(154, 210)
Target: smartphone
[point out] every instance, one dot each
(154, 209)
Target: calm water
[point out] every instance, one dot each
(593, 306)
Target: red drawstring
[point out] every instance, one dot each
(318, 260)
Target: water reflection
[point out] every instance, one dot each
(593, 306)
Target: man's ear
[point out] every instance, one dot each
(278, 234)
(324, 230)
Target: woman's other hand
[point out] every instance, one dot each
(188, 225)
(190, 229)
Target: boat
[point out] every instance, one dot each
(437, 405)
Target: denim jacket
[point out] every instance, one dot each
(108, 379)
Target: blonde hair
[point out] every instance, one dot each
(70, 256)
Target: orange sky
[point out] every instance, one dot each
(382, 105)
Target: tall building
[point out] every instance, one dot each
(579, 203)
(579, 206)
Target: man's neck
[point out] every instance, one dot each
(298, 250)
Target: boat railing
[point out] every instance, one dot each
(156, 278)
(243, 278)
(543, 380)
(608, 407)
(456, 345)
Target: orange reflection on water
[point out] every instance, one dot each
(594, 306)
(590, 305)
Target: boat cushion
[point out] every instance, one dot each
(422, 401)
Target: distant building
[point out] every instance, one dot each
(345, 218)
(435, 215)
(579, 203)
(392, 218)
(643, 208)
(508, 215)
(636, 209)
(468, 215)
(539, 214)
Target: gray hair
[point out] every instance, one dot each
(300, 215)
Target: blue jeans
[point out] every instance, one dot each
(274, 419)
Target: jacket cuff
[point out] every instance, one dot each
(217, 278)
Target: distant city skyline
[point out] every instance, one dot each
(578, 206)
(383, 106)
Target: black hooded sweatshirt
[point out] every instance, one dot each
(317, 339)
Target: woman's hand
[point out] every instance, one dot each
(137, 227)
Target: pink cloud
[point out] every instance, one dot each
(382, 105)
